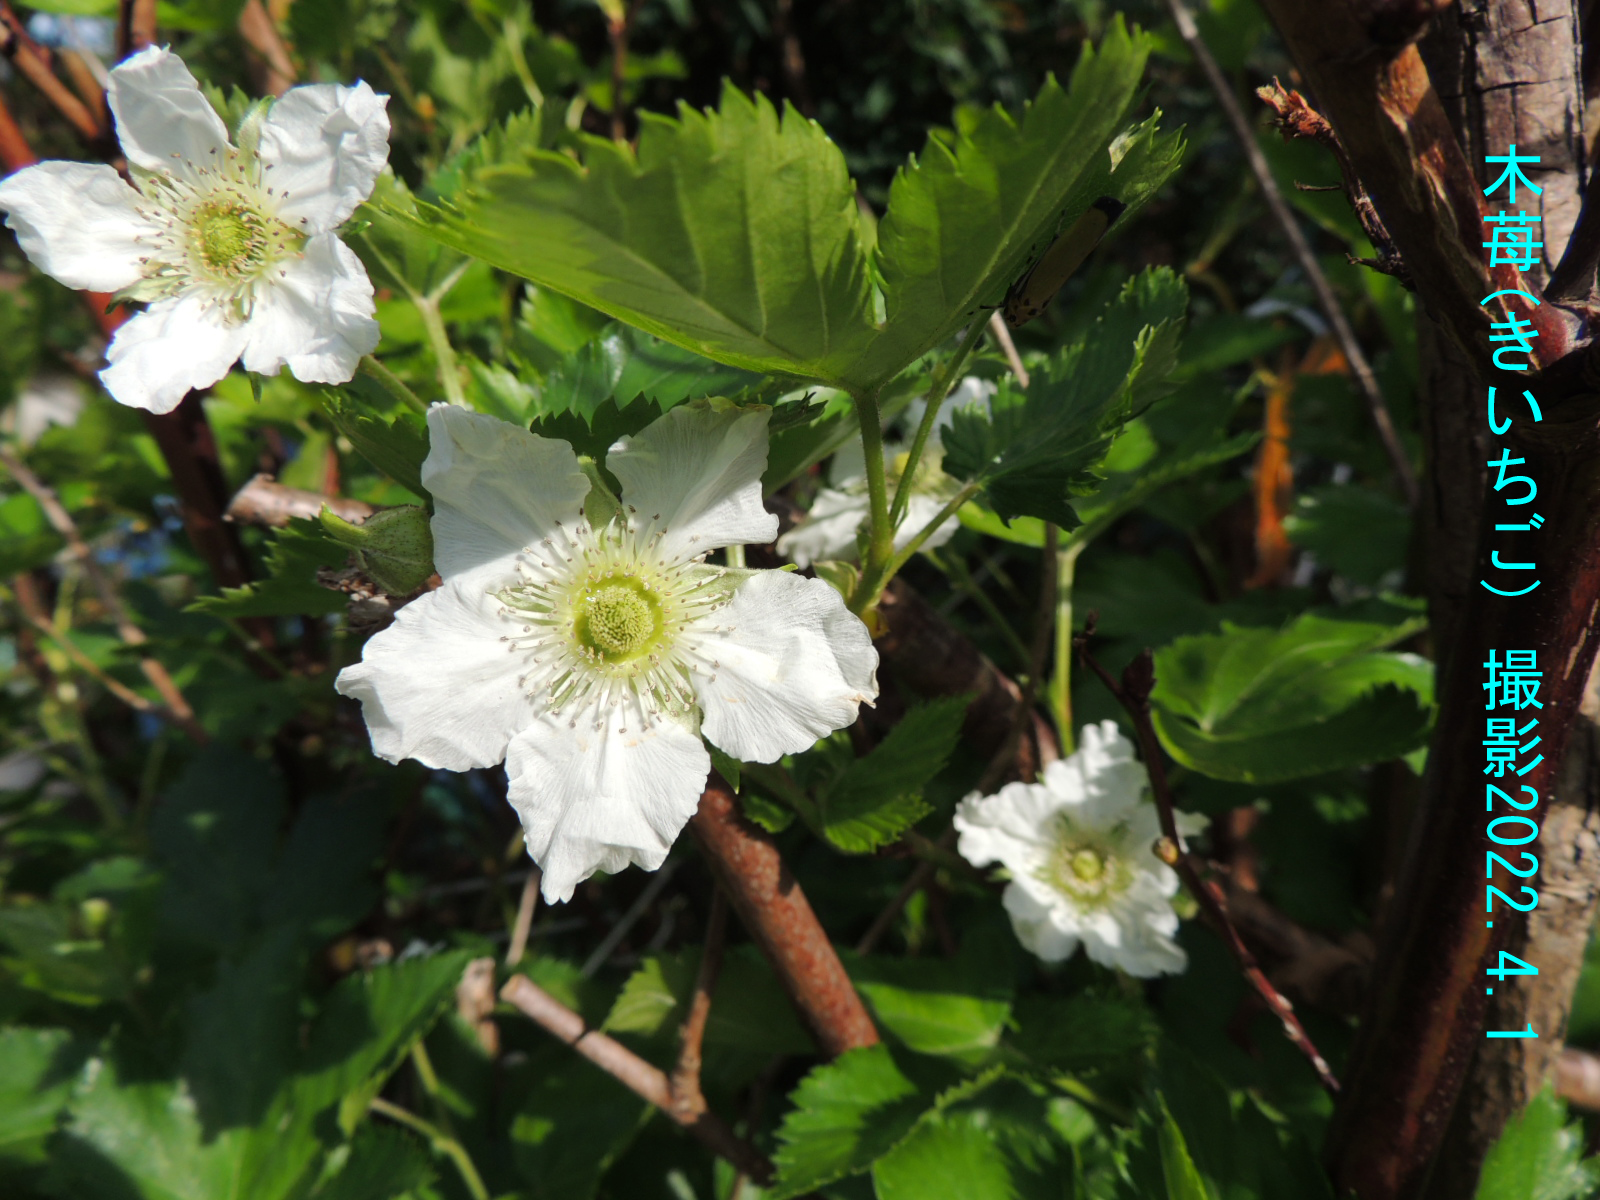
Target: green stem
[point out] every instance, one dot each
(443, 352)
(881, 544)
(440, 1141)
(391, 383)
(930, 417)
(519, 62)
(955, 568)
(928, 530)
(1061, 679)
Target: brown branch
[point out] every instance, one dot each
(61, 521)
(1133, 693)
(1002, 334)
(33, 63)
(1366, 381)
(524, 924)
(1578, 1078)
(618, 28)
(267, 48)
(136, 26)
(774, 909)
(687, 1099)
(643, 1079)
(1573, 280)
(264, 501)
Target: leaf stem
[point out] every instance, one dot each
(391, 383)
(443, 352)
(881, 544)
(440, 1141)
(930, 418)
(1061, 678)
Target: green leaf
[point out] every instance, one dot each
(37, 1070)
(26, 539)
(749, 1010)
(954, 1155)
(733, 234)
(570, 1125)
(1362, 534)
(1081, 1033)
(847, 1114)
(935, 1006)
(725, 765)
(970, 214)
(294, 555)
(878, 797)
(383, 1163)
(395, 445)
(624, 364)
(1538, 1156)
(1261, 705)
(1178, 1171)
(1034, 451)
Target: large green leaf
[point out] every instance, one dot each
(947, 1156)
(1260, 705)
(1034, 451)
(37, 1071)
(934, 1006)
(878, 797)
(733, 234)
(968, 216)
(570, 1126)
(294, 556)
(1539, 1157)
(749, 1010)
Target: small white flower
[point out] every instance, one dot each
(1079, 849)
(590, 652)
(841, 508)
(235, 247)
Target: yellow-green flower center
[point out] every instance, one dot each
(229, 238)
(1087, 865)
(618, 620)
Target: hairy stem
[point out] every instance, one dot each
(930, 418)
(440, 1141)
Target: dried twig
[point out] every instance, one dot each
(1002, 334)
(264, 501)
(639, 1076)
(266, 44)
(1377, 407)
(1133, 693)
(136, 26)
(524, 924)
(687, 1099)
(61, 521)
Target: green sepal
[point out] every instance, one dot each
(394, 545)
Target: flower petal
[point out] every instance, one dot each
(696, 473)
(788, 664)
(164, 122)
(317, 316)
(598, 800)
(829, 530)
(496, 489)
(439, 685)
(323, 147)
(171, 348)
(78, 223)
(1036, 926)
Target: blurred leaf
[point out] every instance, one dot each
(878, 797)
(395, 445)
(38, 1068)
(1177, 1168)
(293, 556)
(1035, 450)
(384, 1163)
(1257, 705)
(1081, 1033)
(570, 1126)
(949, 1156)
(26, 539)
(1362, 534)
(1538, 1156)
(969, 215)
(749, 1010)
(934, 1006)
(717, 216)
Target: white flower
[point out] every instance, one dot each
(840, 509)
(1079, 849)
(234, 247)
(590, 651)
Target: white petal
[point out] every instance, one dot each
(696, 473)
(323, 146)
(77, 223)
(316, 316)
(792, 664)
(1036, 926)
(439, 685)
(168, 350)
(163, 121)
(829, 531)
(496, 489)
(596, 801)
(922, 509)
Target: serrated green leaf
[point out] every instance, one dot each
(968, 215)
(1538, 1156)
(395, 445)
(383, 1163)
(1361, 533)
(1082, 1032)
(846, 1115)
(749, 1010)
(1036, 450)
(733, 234)
(934, 1006)
(946, 1156)
(38, 1068)
(878, 797)
(769, 814)
(293, 557)
(1260, 705)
